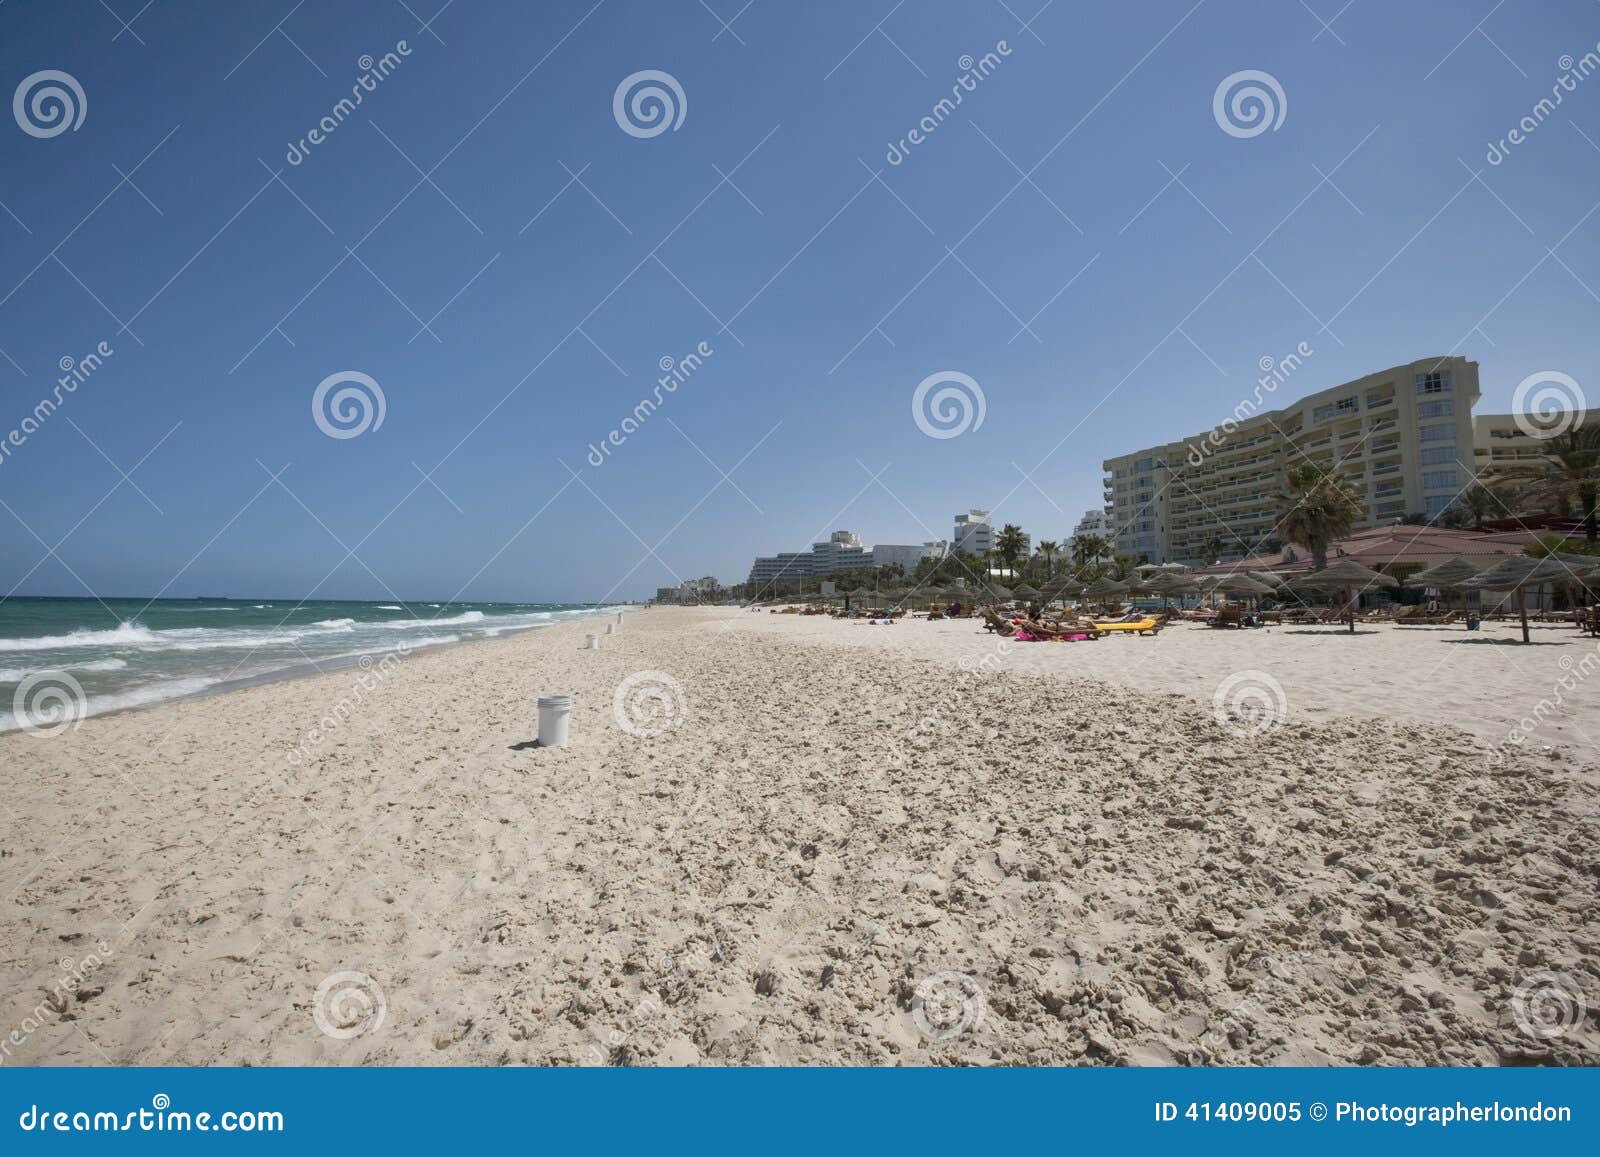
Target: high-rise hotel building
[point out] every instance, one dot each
(1403, 437)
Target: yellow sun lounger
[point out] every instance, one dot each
(1143, 626)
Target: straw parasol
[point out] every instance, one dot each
(1105, 588)
(1060, 589)
(1243, 584)
(1169, 584)
(1345, 576)
(1275, 581)
(1026, 592)
(1516, 574)
(1001, 594)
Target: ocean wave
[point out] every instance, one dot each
(17, 674)
(130, 633)
(388, 607)
(460, 620)
(334, 623)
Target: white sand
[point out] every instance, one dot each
(848, 850)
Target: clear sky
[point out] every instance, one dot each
(1080, 236)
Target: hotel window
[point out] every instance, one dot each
(1438, 479)
(1437, 504)
(1440, 409)
(1437, 382)
(1143, 465)
(1436, 434)
(1437, 455)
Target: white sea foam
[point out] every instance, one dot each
(388, 607)
(129, 633)
(334, 623)
(460, 620)
(17, 674)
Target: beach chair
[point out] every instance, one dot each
(1142, 627)
(1228, 615)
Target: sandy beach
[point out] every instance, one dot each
(785, 840)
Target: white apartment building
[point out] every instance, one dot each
(1500, 443)
(972, 534)
(1404, 436)
(1094, 523)
(907, 557)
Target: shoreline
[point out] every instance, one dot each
(326, 666)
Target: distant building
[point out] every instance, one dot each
(842, 551)
(907, 557)
(1094, 523)
(972, 534)
(1500, 444)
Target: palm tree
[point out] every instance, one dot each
(1318, 509)
(1089, 548)
(1568, 469)
(1049, 549)
(1009, 544)
(1475, 503)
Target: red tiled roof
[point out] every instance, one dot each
(1380, 546)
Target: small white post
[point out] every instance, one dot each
(593, 643)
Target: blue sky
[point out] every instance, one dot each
(1155, 257)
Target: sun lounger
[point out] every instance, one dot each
(1142, 627)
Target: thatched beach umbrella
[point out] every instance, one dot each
(1345, 576)
(1105, 588)
(1517, 574)
(1451, 575)
(1169, 584)
(1026, 592)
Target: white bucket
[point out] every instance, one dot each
(611, 628)
(619, 618)
(593, 642)
(555, 714)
